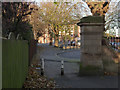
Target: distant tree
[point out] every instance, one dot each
(112, 17)
(39, 26)
(98, 8)
(14, 17)
(56, 15)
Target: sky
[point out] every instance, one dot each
(84, 11)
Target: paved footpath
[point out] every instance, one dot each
(53, 56)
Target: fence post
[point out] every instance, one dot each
(62, 67)
(11, 36)
(42, 67)
(118, 43)
(114, 42)
(111, 40)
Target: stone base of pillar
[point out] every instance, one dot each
(91, 65)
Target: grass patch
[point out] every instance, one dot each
(74, 61)
(108, 62)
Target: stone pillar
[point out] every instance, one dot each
(91, 45)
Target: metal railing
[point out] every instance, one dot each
(114, 42)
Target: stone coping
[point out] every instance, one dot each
(90, 24)
(92, 21)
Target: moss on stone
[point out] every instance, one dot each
(90, 70)
(92, 19)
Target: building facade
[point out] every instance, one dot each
(70, 35)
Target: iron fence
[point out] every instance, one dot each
(114, 42)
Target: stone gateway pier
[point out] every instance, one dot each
(92, 28)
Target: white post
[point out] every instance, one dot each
(42, 67)
(62, 67)
(18, 36)
(9, 36)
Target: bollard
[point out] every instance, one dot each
(62, 67)
(42, 67)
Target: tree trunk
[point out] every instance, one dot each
(50, 33)
(34, 35)
(50, 39)
(56, 35)
(56, 40)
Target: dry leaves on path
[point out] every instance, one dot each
(34, 80)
